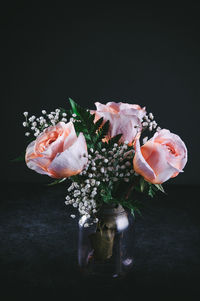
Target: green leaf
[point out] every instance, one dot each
(84, 115)
(20, 158)
(159, 187)
(56, 182)
(151, 191)
(102, 132)
(133, 205)
(142, 184)
(74, 106)
(97, 124)
(86, 126)
(133, 212)
(93, 132)
(114, 140)
(106, 194)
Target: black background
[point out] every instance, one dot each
(143, 55)
(146, 55)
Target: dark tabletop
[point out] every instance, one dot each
(38, 252)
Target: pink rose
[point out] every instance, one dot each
(57, 152)
(124, 119)
(160, 158)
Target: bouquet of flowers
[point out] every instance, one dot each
(106, 153)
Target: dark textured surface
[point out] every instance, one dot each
(39, 245)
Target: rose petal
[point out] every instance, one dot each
(71, 138)
(127, 125)
(132, 109)
(34, 161)
(71, 161)
(177, 160)
(50, 150)
(140, 165)
(111, 107)
(157, 160)
(35, 164)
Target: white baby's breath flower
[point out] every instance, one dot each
(102, 170)
(145, 139)
(151, 116)
(154, 124)
(145, 124)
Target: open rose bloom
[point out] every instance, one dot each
(124, 119)
(57, 152)
(161, 158)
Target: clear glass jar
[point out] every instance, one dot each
(106, 248)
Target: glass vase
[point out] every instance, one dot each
(105, 248)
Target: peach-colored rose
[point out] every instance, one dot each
(57, 152)
(160, 158)
(124, 119)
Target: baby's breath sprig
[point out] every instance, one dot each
(149, 123)
(36, 125)
(105, 169)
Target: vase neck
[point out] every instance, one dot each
(111, 209)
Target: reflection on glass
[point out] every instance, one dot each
(106, 248)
